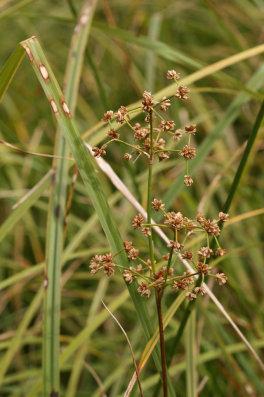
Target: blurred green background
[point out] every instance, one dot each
(131, 45)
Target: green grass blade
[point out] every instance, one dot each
(244, 159)
(8, 357)
(87, 170)
(56, 213)
(9, 69)
(191, 377)
(145, 42)
(30, 198)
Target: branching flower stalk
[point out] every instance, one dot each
(151, 272)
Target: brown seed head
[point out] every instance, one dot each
(188, 152)
(211, 227)
(108, 115)
(128, 276)
(140, 132)
(220, 252)
(172, 75)
(146, 231)
(205, 252)
(166, 125)
(96, 263)
(108, 265)
(221, 278)
(200, 218)
(113, 133)
(144, 290)
(98, 152)
(182, 92)
(199, 291)
(188, 181)
(177, 135)
(191, 296)
(163, 156)
(175, 245)
(157, 205)
(190, 129)
(147, 101)
(127, 156)
(160, 144)
(203, 268)
(137, 221)
(165, 104)
(187, 255)
(223, 217)
(174, 220)
(121, 114)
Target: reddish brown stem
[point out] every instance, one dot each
(159, 295)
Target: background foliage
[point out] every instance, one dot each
(131, 45)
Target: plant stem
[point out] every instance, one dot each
(159, 292)
(150, 164)
(159, 295)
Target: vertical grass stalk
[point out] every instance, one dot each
(57, 211)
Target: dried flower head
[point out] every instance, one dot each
(144, 290)
(177, 135)
(140, 132)
(172, 75)
(147, 101)
(108, 115)
(174, 220)
(221, 278)
(223, 217)
(175, 245)
(191, 296)
(132, 253)
(200, 218)
(127, 156)
(211, 227)
(96, 263)
(146, 231)
(199, 291)
(203, 268)
(128, 276)
(166, 125)
(187, 255)
(163, 156)
(157, 205)
(220, 252)
(160, 144)
(121, 114)
(113, 133)
(147, 143)
(188, 181)
(190, 129)
(205, 252)
(98, 152)
(108, 265)
(188, 224)
(182, 92)
(188, 152)
(165, 104)
(137, 221)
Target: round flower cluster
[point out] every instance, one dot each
(156, 135)
(166, 273)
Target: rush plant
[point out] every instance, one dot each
(155, 138)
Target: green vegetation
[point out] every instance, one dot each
(59, 333)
